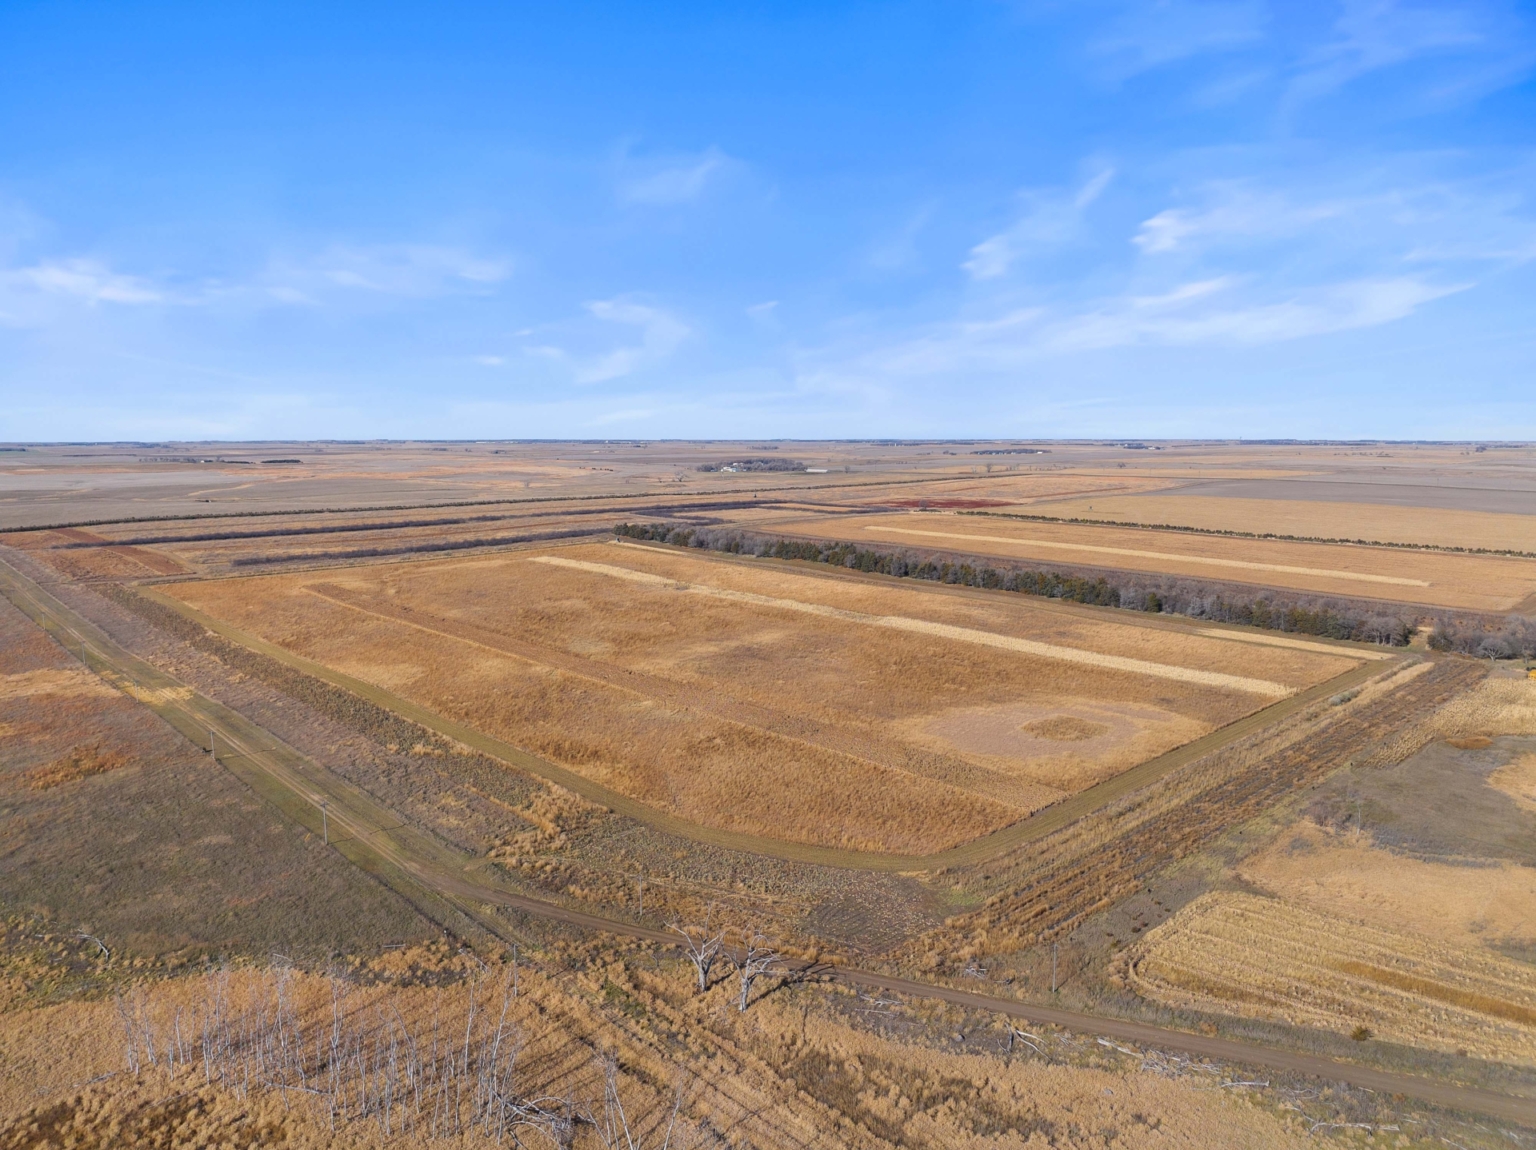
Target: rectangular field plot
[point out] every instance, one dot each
(767, 699)
(1479, 582)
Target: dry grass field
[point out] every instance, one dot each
(408, 1043)
(1271, 959)
(116, 826)
(1464, 902)
(1380, 522)
(763, 699)
(1477, 582)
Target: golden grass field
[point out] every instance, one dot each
(1435, 526)
(792, 1072)
(767, 699)
(1272, 959)
(1346, 874)
(1479, 582)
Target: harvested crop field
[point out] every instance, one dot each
(1267, 958)
(761, 698)
(1477, 582)
(1386, 523)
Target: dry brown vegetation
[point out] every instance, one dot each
(443, 1050)
(1266, 958)
(80, 763)
(737, 713)
(1047, 890)
(1476, 582)
(1433, 526)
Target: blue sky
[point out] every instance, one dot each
(1045, 218)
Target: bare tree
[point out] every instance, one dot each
(612, 1124)
(752, 960)
(700, 947)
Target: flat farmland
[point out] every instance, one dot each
(768, 699)
(1267, 958)
(1319, 519)
(1477, 582)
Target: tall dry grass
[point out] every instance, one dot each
(1272, 959)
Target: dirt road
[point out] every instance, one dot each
(438, 879)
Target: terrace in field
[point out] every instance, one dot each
(769, 699)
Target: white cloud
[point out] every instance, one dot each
(661, 333)
(401, 270)
(763, 312)
(666, 182)
(84, 279)
(1224, 311)
(1049, 220)
(1232, 211)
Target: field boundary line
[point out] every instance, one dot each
(1028, 829)
(442, 881)
(973, 635)
(1211, 561)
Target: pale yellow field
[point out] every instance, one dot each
(1272, 959)
(1488, 583)
(1499, 706)
(1440, 527)
(792, 1071)
(1347, 875)
(765, 699)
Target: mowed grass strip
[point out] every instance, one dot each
(1216, 679)
(1242, 954)
(1136, 553)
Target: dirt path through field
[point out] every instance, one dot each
(435, 877)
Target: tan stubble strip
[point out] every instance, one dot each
(1242, 564)
(1217, 679)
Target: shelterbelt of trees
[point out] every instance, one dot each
(1133, 591)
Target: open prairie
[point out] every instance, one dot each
(762, 698)
(1477, 582)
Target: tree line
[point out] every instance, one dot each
(1132, 591)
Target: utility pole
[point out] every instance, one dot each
(640, 883)
(1055, 949)
(325, 825)
(211, 754)
(514, 970)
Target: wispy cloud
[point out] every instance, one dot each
(1479, 47)
(674, 180)
(1149, 35)
(407, 270)
(1049, 219)
(84, 279)
(1232, 210)
(661, 333)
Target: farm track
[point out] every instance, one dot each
(436, 878)
(1059, 898)
(978, 850)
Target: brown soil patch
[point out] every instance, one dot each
(1471, 743)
